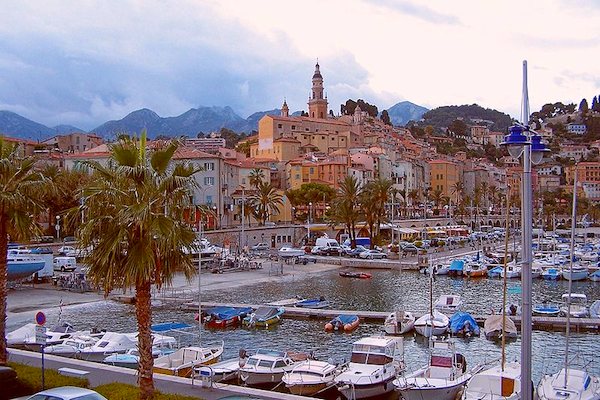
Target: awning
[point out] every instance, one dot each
(407, 231)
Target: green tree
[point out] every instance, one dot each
(256, 177)
(136, 231)
(385, 117)
(458, 127)
(345, 208)
(265, 201)
(20, 187)
(437, 195)
(583, 106)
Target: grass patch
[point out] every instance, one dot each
(29, 380)
(122, 391)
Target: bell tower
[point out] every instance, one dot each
(317, 102)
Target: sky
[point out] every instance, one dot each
(86, 62)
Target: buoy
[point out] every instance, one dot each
(328, 327)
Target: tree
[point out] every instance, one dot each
(595, 106)
(265, 201)
(458, 127)
(385, 117)
(350, 106)
(345, 207)
(457, 189)
(256, 177)
(20, 188)
(437, 195)
(136, 231)
(583, 106)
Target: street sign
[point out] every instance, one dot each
(40, 318)
(40, 335)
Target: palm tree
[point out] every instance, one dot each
(256, 177)
(458, 189)
(381, 194)
(265, 201)
(437, 197)
(345, 206)
(20, 189)
(413, 195)
(485, 194)
(136, 230)
(369, 206)
(493, 195)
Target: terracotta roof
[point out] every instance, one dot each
(308, 119)
(286, 140)
(18, 140)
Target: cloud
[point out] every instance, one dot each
(416, 10)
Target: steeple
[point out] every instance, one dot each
(285, 111)
(317, 103)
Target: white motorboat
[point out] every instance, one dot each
(577, 384)
(512, 271)
(71, 347)
(221, 371)
(131, 358)
(267, 367)
(495, 383)
(24, 337)
(536, 271)
(448, 303)
(399, 322)
(287, 251)
(595, 276)
(595, 309)
(374, 364)
(109, 343)
(578, 305)
(442, 378)
(575, 273)
(183, 361)
(310, 377)
(438, 325)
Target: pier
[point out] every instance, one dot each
(539, 323)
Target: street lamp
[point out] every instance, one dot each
(308, 223)
(524, 141)
(214, 207)
(57, 227)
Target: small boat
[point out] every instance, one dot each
(512, 271)
(475, 270)
(310, 377)
(536, 271)
(463, 324)
(580, 386)
(448, 303)
(350, 274)
(595, 309)
(399, 322)
(264, 316)
(222, 371)
(131, 358)
(313, 303)
(287, 251)
(109, 343)
(183, 361)
(440, 322)
(495, 383)
(495, 272)
(578, 305)
(24, 337)
(224, 317)
(595, 276)
(456, 268)
(547, 310)
(71, 347)
(492, 327)
(551, 274)
(374, 364)
(576, 273)
(266, 367)
(21, 265)
(343, 323)
(441, 379)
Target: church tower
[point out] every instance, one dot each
(317, 103)
(285, 111)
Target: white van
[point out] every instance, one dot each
(64, 264)
(327, 246)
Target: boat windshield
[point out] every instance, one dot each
(373, 359)
(265, 363)
(252, 361)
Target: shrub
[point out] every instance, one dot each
(29, 380)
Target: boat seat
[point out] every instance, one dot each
(438, 372)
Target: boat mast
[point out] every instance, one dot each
(570, 284)
(504, 284)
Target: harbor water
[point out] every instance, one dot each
(386, 291)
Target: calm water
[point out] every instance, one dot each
(384, 292)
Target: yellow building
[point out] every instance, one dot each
(443, 175)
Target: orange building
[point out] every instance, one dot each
(443, 175)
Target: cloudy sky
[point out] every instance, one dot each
(85, 62)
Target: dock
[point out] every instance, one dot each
(291, 312)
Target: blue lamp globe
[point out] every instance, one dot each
(516, 141)
(538, 149)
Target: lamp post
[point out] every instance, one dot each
(524, 141)
(242, 236)
(308, 223)
(57, 227)
(214, 207)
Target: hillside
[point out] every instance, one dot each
(405, 111)
(474, 114)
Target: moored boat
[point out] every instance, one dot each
(183, 361)
(492, 327)
(224, 317)
(495, 383)
(428, 326)
(547, 310)
(463, 324)
(575, 273)
(266, 367)
(350, 274)
(448, 303)
(264, 316)
(343, 323)
(578, 384)
(578, 307)
(595, 276)
(313, 303)
(310, 377)
(551, 274)
(595, 309)
(287, 251)
(20, 265)
(399, 322)
(456, 268)
(475, 269)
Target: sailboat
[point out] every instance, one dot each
(433, 323)
(501, 381)
(569, 382)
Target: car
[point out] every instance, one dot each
(410, 248)
(64, 264)
(315, 250)
(305, 259)
(69, 251)
(260, 247)
(41, 250)
(67, 393)
(356, 251)
(371, 254)
(69, 239)
(330, 251)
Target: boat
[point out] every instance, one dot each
(595, 309)
(21, 265)
(183, 361)
(313, 303)
(399, 322)
(576, 273)
(545, 309)
(221, 371)
(374, 364)
(448, 303)
(350, 274)
(224, 317)
(287, 251)
(456, 268)
(495, 383)
(24, 337)
(551, 274)
(311, 377)
(495, 272)
(440, 322)
(71, 347)
(512, 271)
(578, 305)
(463, 324)
(595, 276)
(131, 358)
(266, 367)
(492, 328)
(343, 323)
(264, 316)
(109, 343)
(536, 271)
(475, 269)
(441, 379)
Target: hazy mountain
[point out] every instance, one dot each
(253, 119)
(442, 117)
(66, 129)
(133, 122)
(14, 125)
(405, 111)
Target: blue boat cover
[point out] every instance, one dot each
(457, 265)
(230, 312)
(459, 320)
(169, 326)
(344, 319)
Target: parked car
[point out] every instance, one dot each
(356, 251)
(260, 247)
(410, 248)
(371, 254)
(68, 251)
(330, 251)
(69, 239)
(67, 393)
(64, 264)
(305, 259)
(41, 250)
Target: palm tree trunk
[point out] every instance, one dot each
(143, 313)
(3, 291)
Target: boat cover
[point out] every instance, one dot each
(494, 323)
(457, 265)
(312, 302)
(462, 322)
(344, 319)
(169, 326)
(595, 309)
(231, 312)
(265, 313)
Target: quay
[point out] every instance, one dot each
(539, 323)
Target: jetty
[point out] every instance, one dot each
(291, 312)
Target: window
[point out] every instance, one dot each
(279, 126)
(243, 181)
(209, 181)
(297, 176)
(209, 166)
(293, 127)
(312, 170)
(209, 199)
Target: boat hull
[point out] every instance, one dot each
(426, 330)
(306, 389)
(252, 378)
(431, 393)
(575, 276)
(357, 391)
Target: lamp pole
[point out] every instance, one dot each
(57, 226)
(243, 204)
(308, 223)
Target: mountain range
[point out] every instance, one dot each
(191, 123)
